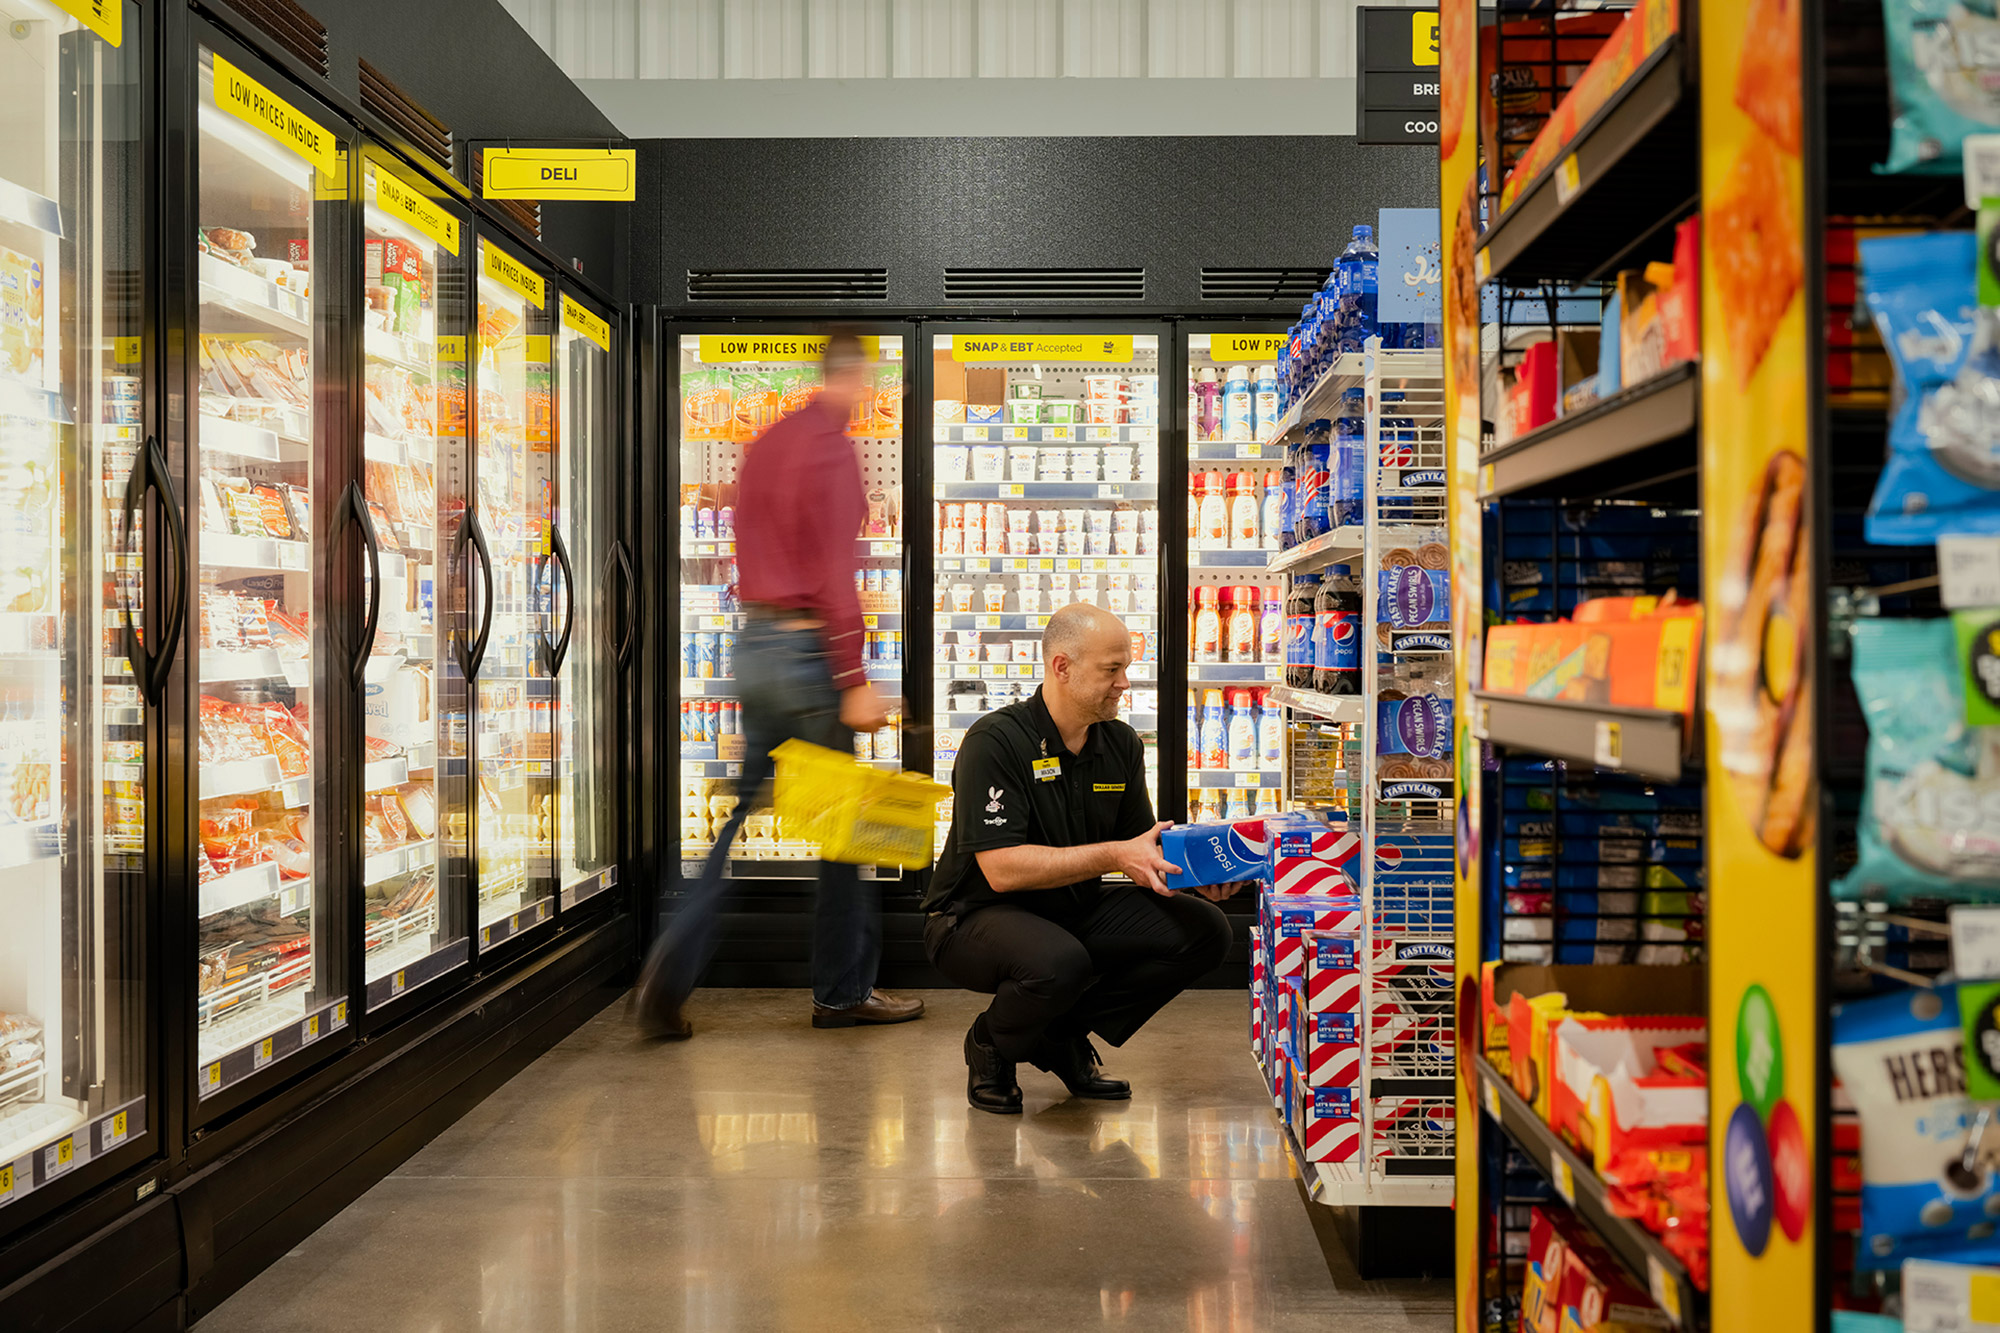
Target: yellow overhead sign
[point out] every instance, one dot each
(398, 200)
(1246, 346)
(254, 104)
(510, 273)
(1103, 348)
(106, 18)
(720, 348)
(561, 173)
(579, 317)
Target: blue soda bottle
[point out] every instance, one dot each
(1358, 266)
(1349, 445)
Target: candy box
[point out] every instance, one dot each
(1610, 1095)
(1602, 989)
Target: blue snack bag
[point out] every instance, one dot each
(1943, 474)
(1930, 814)
(1898, 1058)
(1944, 78)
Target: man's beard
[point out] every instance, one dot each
(1107, 708)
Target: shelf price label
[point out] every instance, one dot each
(1568, 181)
(1248, 779)
(1015, 433)
(1013, 490)
(262, 1055)
(1666, 1291)
(1055, 433)
(211, 1076)
(976, 433)
(1565, 1182)
(115, 1131)
(398, 982)
(1608, 745)
(1100, 434)
(1109, 492)
(1492, 1092)
(986, 622)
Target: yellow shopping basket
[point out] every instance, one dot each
(855, 813)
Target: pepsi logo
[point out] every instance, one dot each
(1398, 453)
(1343, 629)
(1388, 858)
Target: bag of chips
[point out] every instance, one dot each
(1930, 814)
(1943, 474)
(1944, 77)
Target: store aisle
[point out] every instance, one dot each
(769, 1176)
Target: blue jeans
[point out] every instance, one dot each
(786, 687)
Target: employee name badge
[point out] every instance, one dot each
(1047, 770)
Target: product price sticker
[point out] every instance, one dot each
(1608, 745)
(1975, 942)
(950, 563)
(1051, 434)
(1022, 670)
(260, 1055)
(211, 1077)
(7, 1183)
(986, 622)
(1144, 434)
(1252, 451)
(1969, 571)
(975, 434)
(1568, 180)
(1110, 492)
(1046, 565)
(1565, 1182)
(1013, 490)
(116, 1129)
(1247, 779)
(1666, 1290)
(59, 1156)
(1100, 434)
(871, 622)
(398, 982)
(1015, 433)
(1013, 566)
(1950, 1298)
(1492, 1091)
(1072, 565)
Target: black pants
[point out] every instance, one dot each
(1038, 962)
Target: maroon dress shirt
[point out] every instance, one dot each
(799, 508)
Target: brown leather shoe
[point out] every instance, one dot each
(879, 1007)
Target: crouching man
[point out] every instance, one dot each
(1049, 797)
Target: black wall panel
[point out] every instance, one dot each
(916, 206)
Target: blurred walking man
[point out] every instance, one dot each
(1049, 796)
(800, 505)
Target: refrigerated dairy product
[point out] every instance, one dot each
(1206, 417)
(1240, 619)
(1270, 625)
(1207, 635)
(1270, 731)
(1270, 518)
(1242, 730)
(1246, 503)
(1214, 526)
(1193, 730)
(1238, 414)
(1264, 401)
(1214, 731)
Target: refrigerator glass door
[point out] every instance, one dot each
(586, 746)
(271, 190)
(1046, 492)
(513, 720)
(733, 386)
(413, 482)
(1237, 626)
(72, 744)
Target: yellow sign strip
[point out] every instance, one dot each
(717, 349)
(1100, 348)
(1246, 346)
(106, 18)
(254, 104)
(511, 273)
(577, 316)
(607, 174)
(400, 201)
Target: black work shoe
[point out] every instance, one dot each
(1074, 1061)
(989, 1080)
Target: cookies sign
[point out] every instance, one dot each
(1760, 335)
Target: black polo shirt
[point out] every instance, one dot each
(1015, 784)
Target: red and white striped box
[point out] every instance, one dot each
(1326, 1030)
(1314, 860)
(1326, 1122)
(1257, 1019)
(1292, 917)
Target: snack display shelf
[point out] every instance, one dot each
(1048, 490)
(1004, 433)
(1322, 398)
(1630, 169)
(240, 888)
(220, 550)
(1640, 437)
(258, 444)
(1340, 546)
(232, 303)
(1652, 1265)
(1646, 742)
(381, 866)
(1326, 707)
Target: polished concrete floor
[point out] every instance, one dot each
(769, 1176)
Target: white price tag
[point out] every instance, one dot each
(1565, 1182)
(1568, 180)
(1100, 434)
(1950, 1298)
(1666, 1290)
(1013, 490)
(1247, 779)
(1109, 492)
(340, 1015)
(1054, 433)
(732, 770)
(1969, 571)
(1608, 746)
(1981, 153)
(1975, 942)
(262, 1055)
(1492, 1091)
(1482, 720)
(987, 622)
(211, 1076)
(1016, 433)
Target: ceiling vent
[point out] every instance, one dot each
(1012, 286)
(1261, 285)
(526, 213)
(423, 131)
(794, 286)
(288, 24)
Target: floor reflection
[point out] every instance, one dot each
(766, 1176)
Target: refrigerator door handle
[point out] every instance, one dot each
(371, 544)
(149, 473)
(560, 649)
(621, 561)
(477, 656)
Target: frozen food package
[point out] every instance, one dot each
(708, 404)
(21, 337)
(420, 809)
(796, 386)
(888, 399)
(755, 404)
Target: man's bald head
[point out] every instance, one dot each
(1085, 653)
